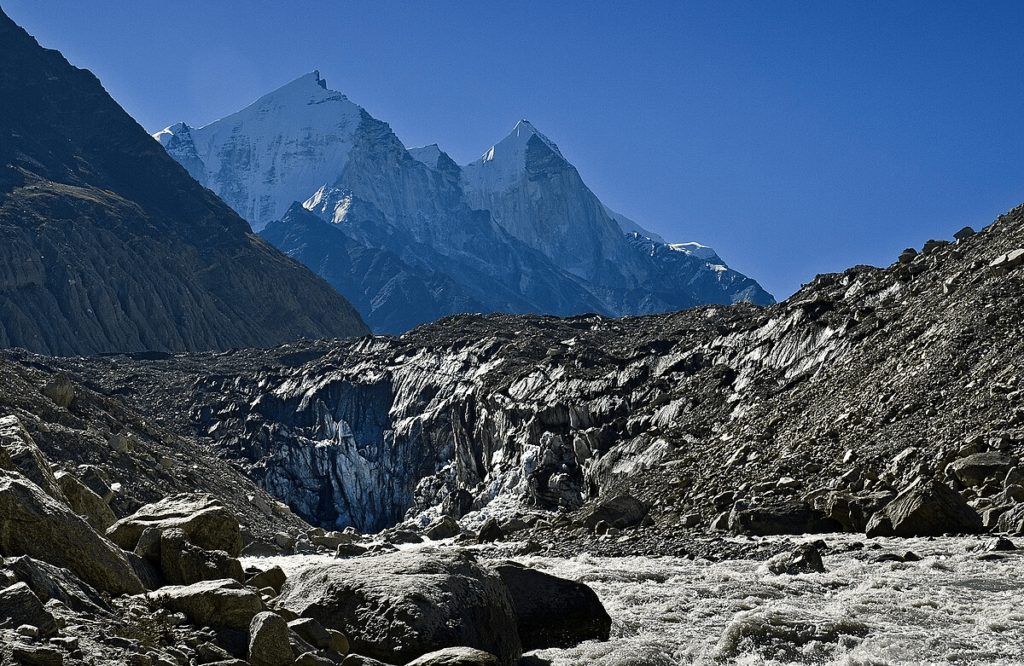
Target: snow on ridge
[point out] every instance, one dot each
(697, 250)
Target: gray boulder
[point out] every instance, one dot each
(927, 508)
(222, 603)
(28, 458)
(805, 559)
(19, 605)
(620, 512)
(183, 563)
(61, 390)
(204, 519)
(274, 577)
(268, 641)
(456, 656)
(85, 502)
(399, 606)
(33, 523)
(854, 511)
(444, 527)
(552, 611)
(1011, 521)
(50, 582)
(780, 517)
(973, 470)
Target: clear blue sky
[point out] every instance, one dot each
(795, 138)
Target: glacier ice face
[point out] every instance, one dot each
(515, 231)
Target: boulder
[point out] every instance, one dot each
(312, 632)
(50, 582)
(490, 532)
(36, 655)
(780, 517)
(444, 527)
(85, 502)
(975, 469)
(28, 458)
(61, 390)
(204, 519)
(927, 508)
(1011, 521)
(456, 656)
(268, 641)
(399, 606)
(853, 511)
(225, 603)
(273, 577)
(620, 511)
(805, 559)
(33, 523)
(183, 563)
(552, 611)
(97, 481)
(19, 605)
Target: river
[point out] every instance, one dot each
(957, 604)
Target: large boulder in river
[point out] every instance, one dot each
(33, 523)
(399, 606)
(206, 522)
(927, 508)
(552, 611)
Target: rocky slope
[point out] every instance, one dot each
(842, 396)
(516, 231)
(106, 244)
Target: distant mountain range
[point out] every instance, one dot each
(408, 236)
(107, 244)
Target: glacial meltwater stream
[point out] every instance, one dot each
(957, 604)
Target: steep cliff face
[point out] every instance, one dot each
(518, 230)
(107, 245)
(906, 367)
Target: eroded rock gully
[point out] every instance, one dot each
(859, 383)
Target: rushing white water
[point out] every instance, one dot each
(950, 607)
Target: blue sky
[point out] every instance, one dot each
(795, 138)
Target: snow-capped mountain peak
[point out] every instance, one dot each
(515, 144)
(291, 140)
(504, 163)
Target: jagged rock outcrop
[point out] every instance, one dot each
(106, 244)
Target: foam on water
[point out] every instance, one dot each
(950, 607)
